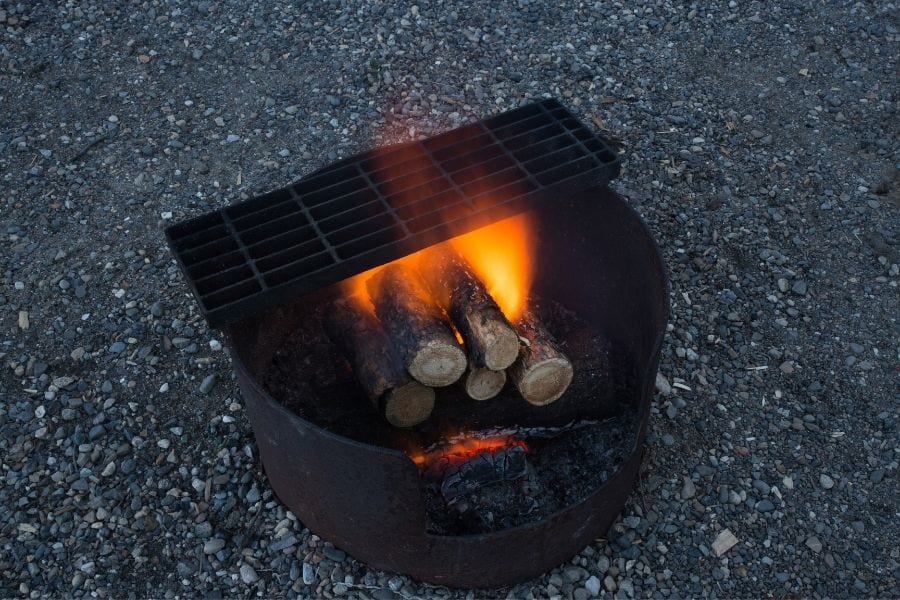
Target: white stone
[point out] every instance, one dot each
(662, 384)
(248, 574)
(724, 542)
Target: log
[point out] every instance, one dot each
(416, 326)
(483, 384)
(542, 373)
(489, 338)
(402, 401)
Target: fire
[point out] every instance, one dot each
(464, 449)
(356, 287)
(502, 255)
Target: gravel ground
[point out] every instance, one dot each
(762, 149)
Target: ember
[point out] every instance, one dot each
(467, 465)
(461, 449)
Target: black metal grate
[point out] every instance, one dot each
(384, 204)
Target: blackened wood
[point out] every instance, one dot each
(416, 326)
(489, 338)
(483, 384)
(542, 373)
(361, 339)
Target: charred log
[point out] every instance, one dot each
(402, 401)
(416, 327)
(542, 373)
(489, 338)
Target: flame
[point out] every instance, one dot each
(357, 290)
(464, 449)
(503, 256)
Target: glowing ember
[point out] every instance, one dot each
(464, 449)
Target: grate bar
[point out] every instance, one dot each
(380, 205)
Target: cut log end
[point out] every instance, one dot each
(546, 381)
(483, 384)
(408, 405)
(360, 338)
(438, 364)
(503, 348)
(416, 326)
(542, 373)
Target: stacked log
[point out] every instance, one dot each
(483, 384)
(402, 401)
(416, 326)
(435, 325)
(489, 338)
(542, 373)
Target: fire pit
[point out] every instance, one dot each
(447, 348)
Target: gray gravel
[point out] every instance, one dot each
(762, 149)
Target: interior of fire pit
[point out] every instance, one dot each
(573, 445)
(602, 319)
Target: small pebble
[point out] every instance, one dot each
(213, 545)
(207, 384)
(688, 490)
(724, 542)
(248, 574)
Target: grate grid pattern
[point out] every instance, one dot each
(383, 204)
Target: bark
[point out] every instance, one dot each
(542, 373)
(416, 326)
(490, 340)
(361, 339)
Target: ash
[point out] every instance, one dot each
(556, 472)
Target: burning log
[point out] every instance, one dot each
(489, 338)
(415, 325)
(542, 373)
(483, 384)
(359, 335)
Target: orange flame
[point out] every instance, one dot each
(356, 287)
(465, 449)
(503, 256)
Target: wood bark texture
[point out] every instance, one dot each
(361, 339)
(542, 373)
(416, 326)
(490, 340)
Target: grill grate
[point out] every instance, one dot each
(384, 204)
